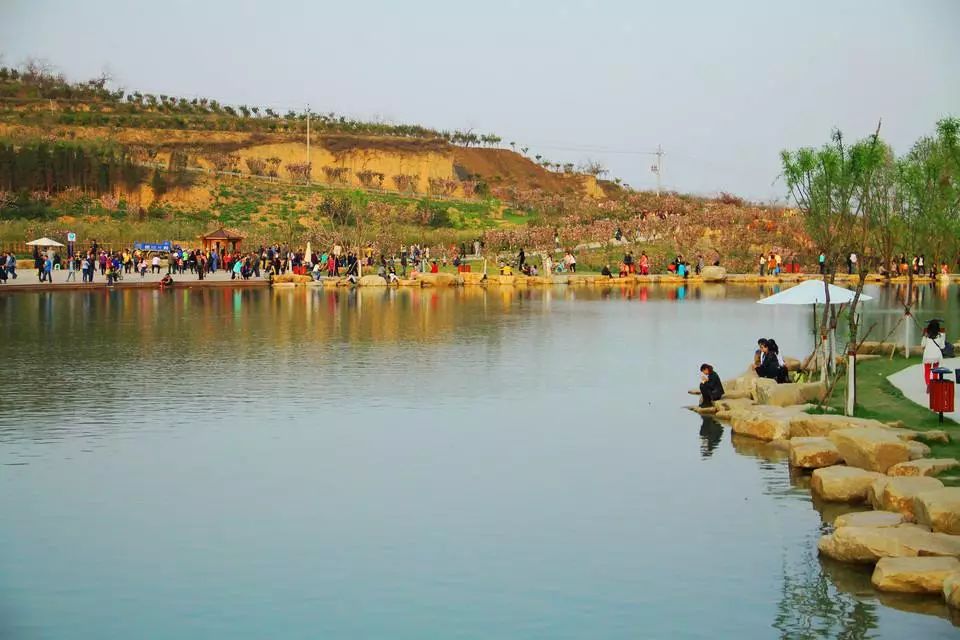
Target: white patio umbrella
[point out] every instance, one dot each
(812, 292)
(44, 242)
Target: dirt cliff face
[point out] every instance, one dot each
(423, 164)
(384, 157)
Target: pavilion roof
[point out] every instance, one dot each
(222, 234)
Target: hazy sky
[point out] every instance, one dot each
(723, 86)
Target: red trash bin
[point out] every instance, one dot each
(941, 396)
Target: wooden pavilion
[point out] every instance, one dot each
(221, 240)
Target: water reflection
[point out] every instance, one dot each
(480, 450)
(811, 607)
(711, 433)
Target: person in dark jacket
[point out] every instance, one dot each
(769, 367)
(711, 389)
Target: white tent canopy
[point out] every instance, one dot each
(44, 242)
(811, 292)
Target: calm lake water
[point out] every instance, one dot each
(407, 464)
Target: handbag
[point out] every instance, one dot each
(947, 350)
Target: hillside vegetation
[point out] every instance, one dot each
(124, 166)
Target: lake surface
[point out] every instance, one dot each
(407, 464)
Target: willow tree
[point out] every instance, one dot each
(834, 188)
(819, 185)
(928, 183)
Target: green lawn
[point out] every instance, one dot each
(877, 398)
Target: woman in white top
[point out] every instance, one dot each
(932, 342)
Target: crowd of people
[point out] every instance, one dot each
(339, 260)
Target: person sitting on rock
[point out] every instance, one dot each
(605, 272)
(624, 270)
(166, 281)
(783, 375)
(506, 270)
(768, 367)
(711, 389)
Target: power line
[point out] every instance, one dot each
(594, 149)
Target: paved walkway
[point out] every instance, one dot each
(910, 381)
(27, 279)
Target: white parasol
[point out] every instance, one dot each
(811, 292)
(44, 242)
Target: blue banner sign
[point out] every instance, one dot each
(153, 246)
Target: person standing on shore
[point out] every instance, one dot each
(332, 266)
(47, 270)
(763, 265)
(933, 342)
(521, 259)
(71, 269)
(644, 264)
(12, 265)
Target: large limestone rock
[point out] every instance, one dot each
(913, 575)
(934, 435)
(951, 590)
(763, 422)
(869, 519)
(755, 448)
(904, 434)
(816, 425)
(924, 467)
(470, 277)
(789, 394)
(842, 484)
(439, 279)
(898, 493)
(875, 492)
(869, 544)
(713, 274)
(918, 450)
(726, 406)
(870, 448)
(813, 453)
(939, 509)
(372, 280)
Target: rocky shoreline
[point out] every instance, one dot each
(710, 275)
(912, 535)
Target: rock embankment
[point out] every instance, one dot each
(913, 533)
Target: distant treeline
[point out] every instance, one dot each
(55, 167)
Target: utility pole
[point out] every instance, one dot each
(658, 168)
(308, 136)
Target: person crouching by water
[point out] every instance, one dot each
(711, 389)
